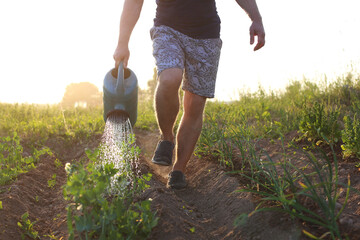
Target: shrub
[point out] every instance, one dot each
(351, 136)
(317, 121)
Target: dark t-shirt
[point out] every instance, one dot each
(195, 18)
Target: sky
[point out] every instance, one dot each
(47, 44)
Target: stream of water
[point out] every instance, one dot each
(118, 147)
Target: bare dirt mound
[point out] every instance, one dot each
(207, 208)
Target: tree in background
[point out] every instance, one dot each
(83, 94)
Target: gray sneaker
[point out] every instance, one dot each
(176, 180)
(163, 153)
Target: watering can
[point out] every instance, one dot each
(120, 93)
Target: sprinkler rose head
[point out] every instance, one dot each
(117, 113)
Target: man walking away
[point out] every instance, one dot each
(186, 48)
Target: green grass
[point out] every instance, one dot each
(323, 116)
(292, 189)
(29, 126)
(36, 123)
(28, 132)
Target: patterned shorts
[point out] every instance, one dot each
(199, 58)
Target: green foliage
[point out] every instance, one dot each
(317, 182)
(52, 182)
(146, 119)
(98, 215)
(351, 136)
(231, 131)
(37, 123)
(214, 140)
(27, 227)
(57, 163)
(12, 161)
(317, 120)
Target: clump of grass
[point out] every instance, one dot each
(288, 186)
(351, 136)
(317, 120)
(214, 141)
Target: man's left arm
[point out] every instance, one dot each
(256, 28)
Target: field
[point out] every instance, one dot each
(270, 165)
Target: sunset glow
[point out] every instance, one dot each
(46, 45)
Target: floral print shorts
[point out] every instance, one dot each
(199, 58)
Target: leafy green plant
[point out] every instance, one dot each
(27, 227)
(351, 136)
(317, 182)
(52, 182)
(12, 161)
(52, 236)
(57, 163)
(96, 212)
(317, 121)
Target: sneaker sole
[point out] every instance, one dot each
(162, 163)
(178, 187)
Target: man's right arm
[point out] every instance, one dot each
(256, 28)
(129, 17)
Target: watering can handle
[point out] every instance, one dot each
(120, 84)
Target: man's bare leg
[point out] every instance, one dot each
(167, 101)
(189, 129)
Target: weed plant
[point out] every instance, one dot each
(317, 120)
(351, 136)
(309, 193)
(27, 227)
(12, 161)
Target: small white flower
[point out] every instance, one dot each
(80, 207)
(67, 168)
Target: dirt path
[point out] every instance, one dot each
(208, 206)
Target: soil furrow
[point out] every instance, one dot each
(207, 208)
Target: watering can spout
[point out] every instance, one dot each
(120, 93)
